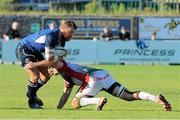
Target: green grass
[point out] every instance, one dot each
(153, 79)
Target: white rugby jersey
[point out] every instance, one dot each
(77, 68)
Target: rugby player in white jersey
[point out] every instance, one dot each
(101, 80)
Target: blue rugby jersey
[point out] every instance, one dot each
(45, 38)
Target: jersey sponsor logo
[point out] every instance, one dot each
(101, 78)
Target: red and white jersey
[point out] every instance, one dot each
(99, 79)
(77, 68)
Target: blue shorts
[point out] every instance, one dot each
(25, 55)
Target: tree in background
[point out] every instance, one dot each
(92, 7)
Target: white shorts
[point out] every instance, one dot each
(100, 80)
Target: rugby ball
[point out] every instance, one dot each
(60, 52)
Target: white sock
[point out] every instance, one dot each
(88, 101)
(146, 96)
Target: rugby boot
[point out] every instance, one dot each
(33, 105)
(101, 103)
(37, 100)
(162, 101)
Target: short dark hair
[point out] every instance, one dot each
(70, 23)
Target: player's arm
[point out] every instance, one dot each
(51, 54)
(66, 93)
(49, 61)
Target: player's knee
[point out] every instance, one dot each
(34, 79)
(45, 78)
(76, 103)
(120, 91)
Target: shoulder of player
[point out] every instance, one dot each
(53, 33)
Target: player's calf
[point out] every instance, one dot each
(32, 89)
(120, 91)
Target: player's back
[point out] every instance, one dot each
(81, 69)
(36, 42)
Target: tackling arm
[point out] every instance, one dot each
(51, 55)
(51, 58)
(66, 93)
(44, 63)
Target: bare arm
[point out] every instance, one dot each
(64, 97)
(49, 61)
(44, 63)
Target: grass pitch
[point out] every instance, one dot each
(153, 79)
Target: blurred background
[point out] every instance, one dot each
(113, 31)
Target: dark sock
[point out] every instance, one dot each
(40, 83)
(31, 90)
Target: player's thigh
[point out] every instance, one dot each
(33, 74)
(97, 83)
(99, 80)
(44, 74)
(24, 55)
(91, 90)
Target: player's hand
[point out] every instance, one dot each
(30, 65)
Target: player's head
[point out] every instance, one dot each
(52, 25)
(67, 29)
(15, 25)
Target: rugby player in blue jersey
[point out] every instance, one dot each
(29, 52)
